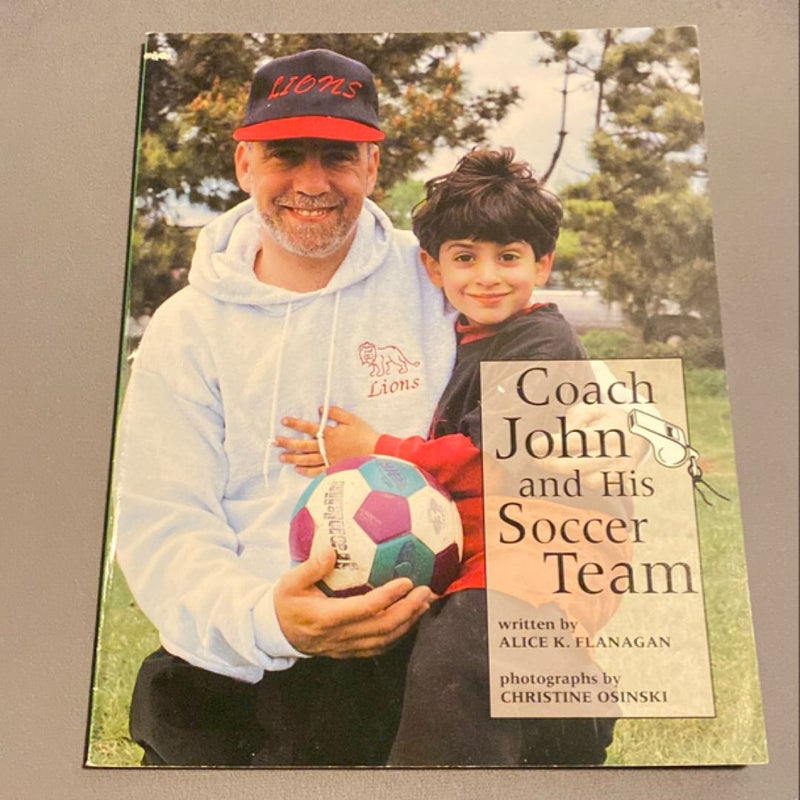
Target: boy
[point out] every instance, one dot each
(487, 233)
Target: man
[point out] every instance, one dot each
(290, 293)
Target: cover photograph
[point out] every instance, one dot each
(423, 453)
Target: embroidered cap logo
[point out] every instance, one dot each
(308, 82)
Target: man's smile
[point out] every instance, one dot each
(308, 212)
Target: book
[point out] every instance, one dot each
(615, 569)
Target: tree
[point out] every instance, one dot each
(195, 88)
(644, 217)
(400, 200)
(562, 45)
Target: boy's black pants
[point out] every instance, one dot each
(424, 703)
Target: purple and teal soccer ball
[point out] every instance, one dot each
(385, 518)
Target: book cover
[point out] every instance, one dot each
(616, 582)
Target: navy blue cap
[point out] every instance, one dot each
(315, 93)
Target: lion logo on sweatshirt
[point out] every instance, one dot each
(382, 360)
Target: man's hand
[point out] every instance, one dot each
(345, 627)
(350, 436)
(303, 453)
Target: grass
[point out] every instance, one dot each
(125, 637)
(734, 736)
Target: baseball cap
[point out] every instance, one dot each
(315, 93)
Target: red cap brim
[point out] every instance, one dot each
(345, 130)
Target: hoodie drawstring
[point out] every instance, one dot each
(320, 435)
(273, 424)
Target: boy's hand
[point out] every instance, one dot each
(350, 436)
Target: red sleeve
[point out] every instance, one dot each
(453, 460)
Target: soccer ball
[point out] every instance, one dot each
(385, 518)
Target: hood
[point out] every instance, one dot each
(222, 266)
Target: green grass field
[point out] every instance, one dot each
(734, 736)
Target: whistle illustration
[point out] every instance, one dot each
(669, 443)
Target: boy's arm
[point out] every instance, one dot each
(453, 460)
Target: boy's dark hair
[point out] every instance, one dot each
(488, 197)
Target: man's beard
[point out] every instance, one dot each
(314, 240)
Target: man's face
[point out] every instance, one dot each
(309, 192)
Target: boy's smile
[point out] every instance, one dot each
(487, 282)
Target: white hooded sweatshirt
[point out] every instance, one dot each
(202, 503)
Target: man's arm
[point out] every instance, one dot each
(174, 543)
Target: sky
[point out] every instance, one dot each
(531, 127)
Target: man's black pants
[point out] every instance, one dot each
(424, 703)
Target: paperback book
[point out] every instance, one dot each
(319, 414)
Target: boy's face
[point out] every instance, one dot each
(486, 281)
